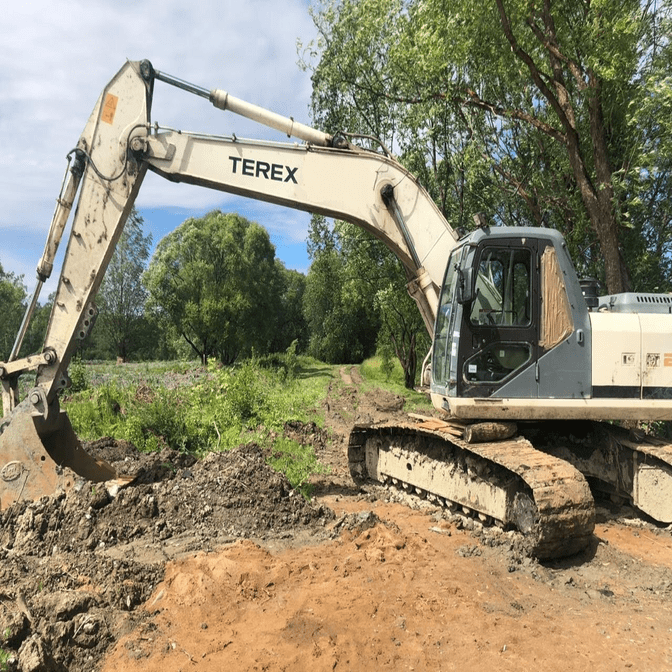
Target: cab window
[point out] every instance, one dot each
(503, 288)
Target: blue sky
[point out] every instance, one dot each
(56, 57)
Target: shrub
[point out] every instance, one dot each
(78, 375)
(297, 462)
(4, 660)
(217, 410)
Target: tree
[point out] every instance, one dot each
(216, 279)
(577, 61)
(291, 325)
(342, 322)
(122, 295)
(364, 82)
(34, 339)
(356, 300)
(527, 107)
(373, 272)
(12, 298)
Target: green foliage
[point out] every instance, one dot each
(34, 338)
(549, 115)
(375, 273)
(340, 316)
(376, 375)
(356, 296)
(121, 325)
(216, 280)
(78, 374)
(340, 330)
(297, 462)
(216, 408)
(287, 364)
(97, 413)
(245, 398)
(197, 410)
(291, 360)
(4, 659)
(12, 297)
(387, 360)
(382, 368)
(291, 326)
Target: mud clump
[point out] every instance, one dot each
(75, 566)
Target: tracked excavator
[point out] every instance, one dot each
(527, 362)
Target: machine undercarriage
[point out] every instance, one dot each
(536, 483)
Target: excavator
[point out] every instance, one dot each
(532, 371)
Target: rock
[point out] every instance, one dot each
(64, 605)
(34, 656)
(14, 626)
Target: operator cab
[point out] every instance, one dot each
(509, 298)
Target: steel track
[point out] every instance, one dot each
(542, 496)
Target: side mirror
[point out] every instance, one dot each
(466, 287)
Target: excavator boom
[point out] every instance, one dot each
(118, 145)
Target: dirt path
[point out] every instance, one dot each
(219, 565)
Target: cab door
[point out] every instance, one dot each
(499, 331)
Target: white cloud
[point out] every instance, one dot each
(56, 57)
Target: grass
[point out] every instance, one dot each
(375, 374)
(196, 409)
(215, 405)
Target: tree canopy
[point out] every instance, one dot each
(216, 279)
(542, 113)
(341, 321)
(356, 300)
(12, 297)
(122, 295)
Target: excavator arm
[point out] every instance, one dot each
(323, 174)
(368, 189)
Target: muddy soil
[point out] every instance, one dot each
(219, 564)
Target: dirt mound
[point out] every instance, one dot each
(74, 566)
(400, 590)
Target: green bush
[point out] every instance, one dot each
(388, 361)
(78, 375)
(286, 364)
(297, 462)
(245, 396)
(218, 409)
(4, 660)
(159, 423)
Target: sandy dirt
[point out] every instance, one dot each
(218, 564)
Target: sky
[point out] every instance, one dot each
(56, 57)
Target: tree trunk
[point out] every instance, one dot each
(600, 209)
(410, 365)
(202, 354)
(597, 193)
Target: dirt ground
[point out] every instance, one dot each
(219, 564)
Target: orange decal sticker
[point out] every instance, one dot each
(667, 359)
(109, 108)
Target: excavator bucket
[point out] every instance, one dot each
(38, 458)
